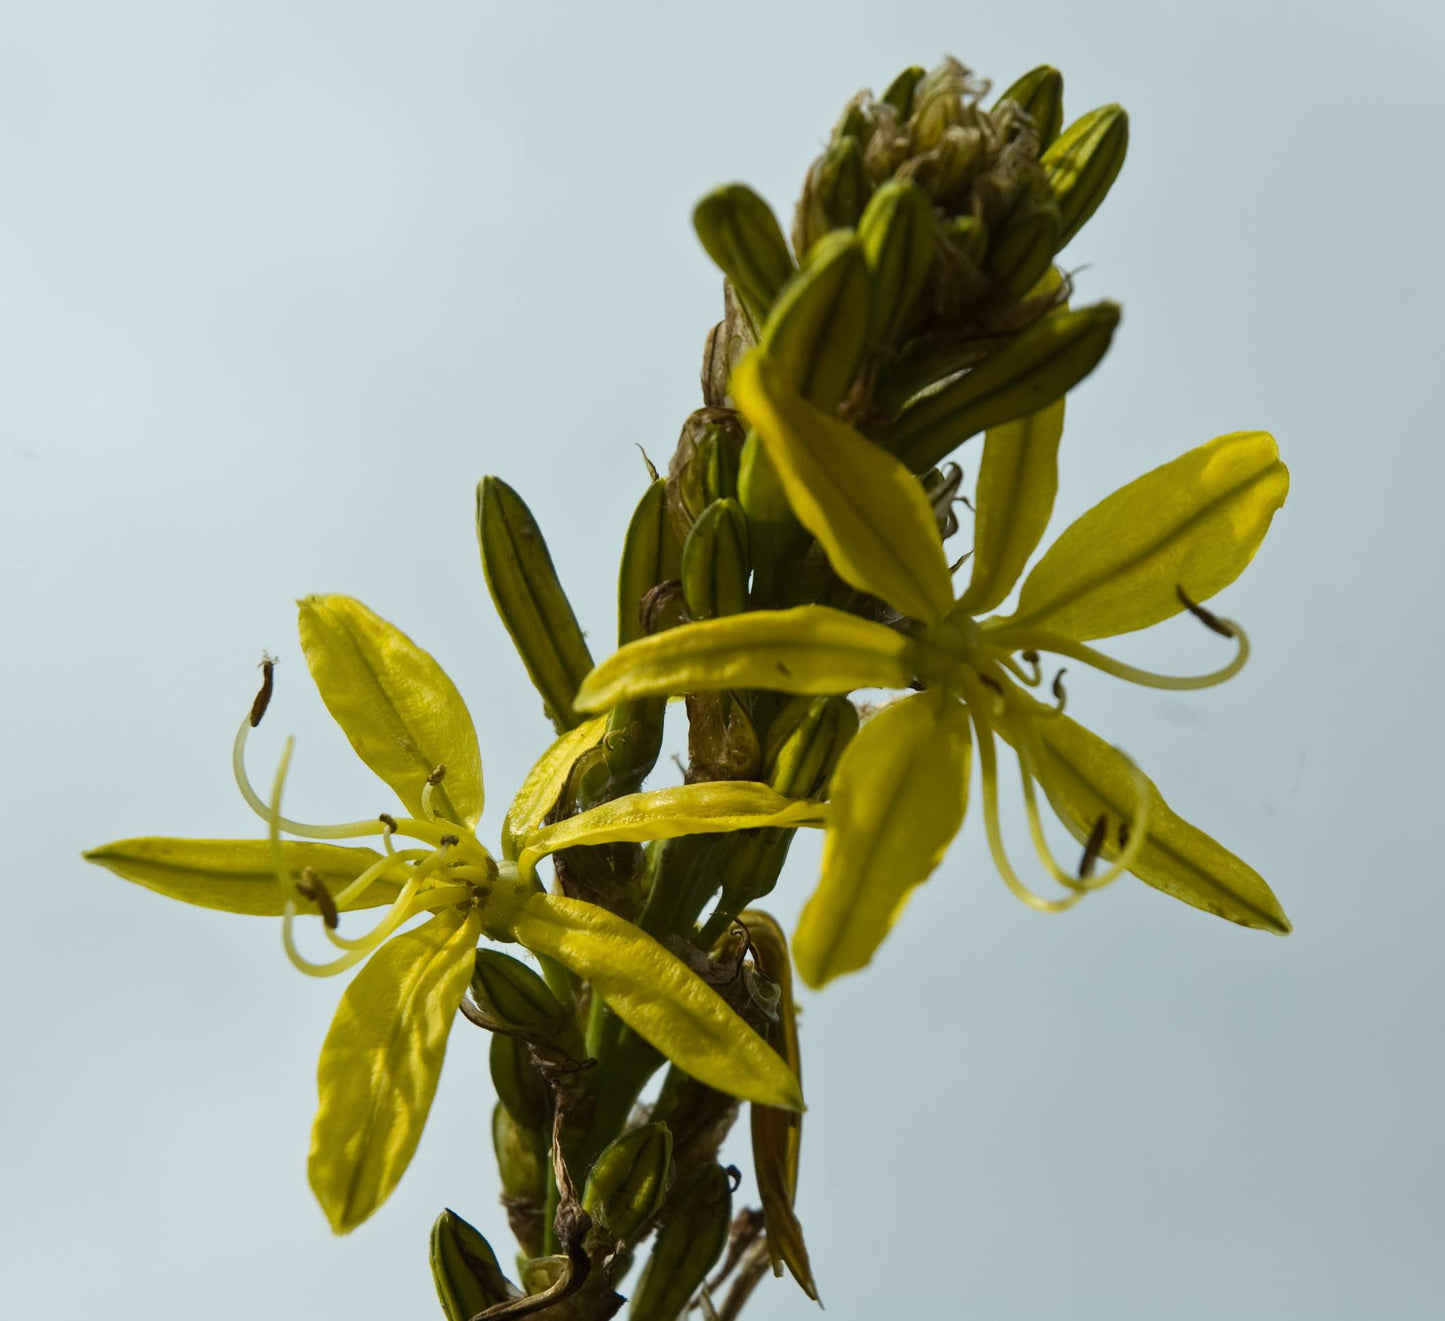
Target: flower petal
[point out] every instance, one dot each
(235, 875)
(1085, 778)
(809, 649)
(1017, 479)
(868, 511)
(706, 808)
(379, 1066)
(896, 802)
(545, 781)
(658, 997)
(401, 712)
(1193, 523)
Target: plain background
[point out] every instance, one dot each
(282, 281)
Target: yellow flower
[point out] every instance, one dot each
(1174, 537)
(382, 1057)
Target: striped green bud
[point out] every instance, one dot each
(741, 234)
(1040, 95)
(522, 1163)
(519, 1086)
(939, 104)
(465, 1270)
(530, 600)
(688, 1244)
(1023, 250)
(805, 741)
(704, 465)
(516, 1001)
(900, 91)
(1083, 163)
(628, 1183)
(835, 192)
(1031, 370)
(897, 233)
(651, 554)
(715, 562)
(818, 329)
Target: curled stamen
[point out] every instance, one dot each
(1061, 694)
(263, 698)
(435, 778)
(1063, 646)
(312, 887)
(389, 822)
(1206, 617)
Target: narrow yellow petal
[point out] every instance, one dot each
(809, 649)
(236, 875)
(896, 802)
(707, 808)
(1085, 778)
(658, 997)
(401, 712)
(1193, 523)
(380, 1063)
(1017, 478)
(545, 781)
(868, 511)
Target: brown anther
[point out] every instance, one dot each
(1092, 847)
(312, 887)
(1123, 834)
(989, 682)
(388, 821)
(1208, 618)
(448, 841)
(1061, 695)
(735, 1177)
(263, 698)
(437, 776)
(1031, 656)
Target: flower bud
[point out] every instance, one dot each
(741, 234)
(1040, 95)
(704, 466)
(1023, 250)
(715, 562)
(530, 599)
(726, 343)
(818, 328)
(464, 1267)
(1031, 370)
(519, 1086)
(628, 1182)
(805, 741)
(834, 194)
(651, 554)
(900, 91)
(690, 1240)
(773, 532)
(1083, 163)
(942, 99)
(522, 1163)
(517, 1002)
(898, 240)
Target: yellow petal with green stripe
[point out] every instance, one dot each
(1085, 778)
(401, 712)
(545, 781)
(868, 511)
(809, 649)
(706, 808)
(1193, 523)
(1018, 477)
(380, 1063)
(896, 802)
(235, 875)
(658, 997)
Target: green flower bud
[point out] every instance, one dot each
(835, 192)
(818, 329)
(522, 1163)
(741, 234)
(1031, 370)
(517, 1002)
(688, 1244)
(805, 741)
(1083, 164)
(530, 599)
(519, 1086)
(715, 562)
(970, 236)
(726, 343)
(1023, 250)
(943, 99)
(900, 91)
(897, 234)
(1040, 95)
(704, 466)
(651, 554)
(628, 1182)
(464, 1267)
(772, 530)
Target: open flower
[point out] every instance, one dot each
(382, 1057)
(1173, 538)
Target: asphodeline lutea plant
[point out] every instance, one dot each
(792, 555)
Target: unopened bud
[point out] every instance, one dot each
(516, 1001)
(1031, 370)
(835, 192)
(805, 741)
(530, 599)
(651, 554)
(943, 99)
(1040, 95)
(688, 1243)
(704, 465)
(715, 562)
(519, 1086)
(464, 1267)
(726, 343)
(522, 1164)
(1083, 163)
(628, 1183)
(741, 234)
(900, 91)
(897, 233)
(1023, 250)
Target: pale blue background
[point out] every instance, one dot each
(279, 282)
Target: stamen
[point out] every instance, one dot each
(389, 822)
(1206, 617)
(1063, 646)
(432, 780)
(1061, 694)
(312, 887)
(1092, 845)
(263, 698)
(1031, 677)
